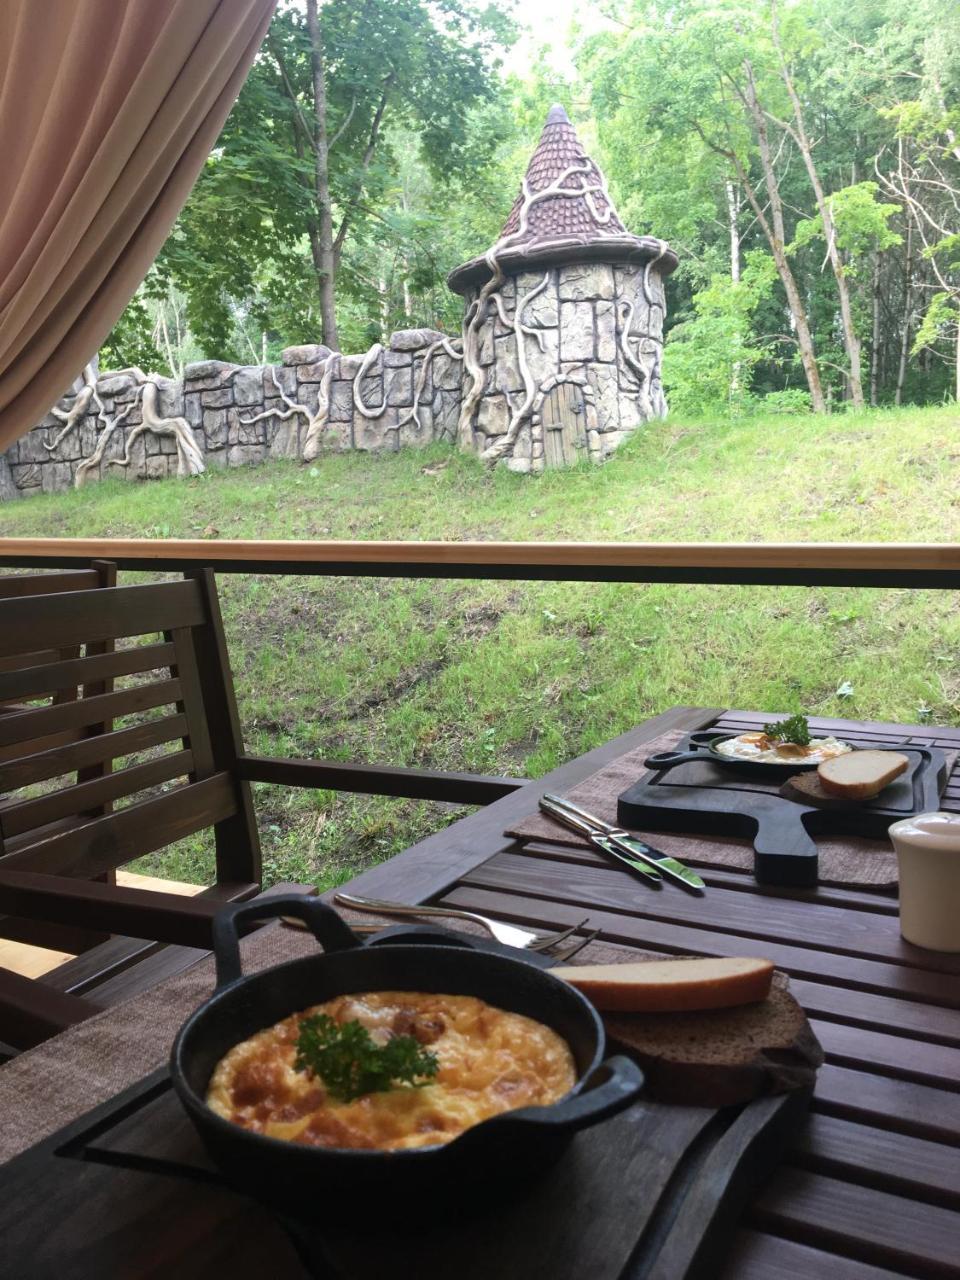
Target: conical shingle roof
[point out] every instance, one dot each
(559, 228)
(558, 152)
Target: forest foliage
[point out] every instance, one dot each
(803, 158)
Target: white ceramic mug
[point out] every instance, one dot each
(928, 851)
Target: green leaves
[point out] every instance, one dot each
(862, 223)
(942, 313)
(709, 359)
(244, 247)
(796, 729)
(351, 1064)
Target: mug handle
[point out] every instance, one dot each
(330, 930)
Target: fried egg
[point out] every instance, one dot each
(763, 750)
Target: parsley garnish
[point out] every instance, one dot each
(796, 729)
(350, 1063)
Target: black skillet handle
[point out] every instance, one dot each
(611, 1088)
(330, 930)
(699, 743)
(667, 759)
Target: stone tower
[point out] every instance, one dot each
(563, 327)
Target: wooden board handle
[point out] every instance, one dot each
(784, 852)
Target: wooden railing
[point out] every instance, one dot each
(828, 564)
(904, 565)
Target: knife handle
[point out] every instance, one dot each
(563, 808)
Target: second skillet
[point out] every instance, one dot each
(703, 748)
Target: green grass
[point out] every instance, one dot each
(514, 678)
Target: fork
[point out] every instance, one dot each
(509, 934)
(561, 957)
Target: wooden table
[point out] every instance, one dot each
(871, 1191)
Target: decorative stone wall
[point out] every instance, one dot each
(409, 393)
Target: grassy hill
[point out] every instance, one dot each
(513, 678)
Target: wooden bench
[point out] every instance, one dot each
(99, 776)
(134, 746)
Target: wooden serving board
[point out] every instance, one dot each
(650, 1195)
(702, 796)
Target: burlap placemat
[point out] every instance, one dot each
(847, 861)
(47, 1088)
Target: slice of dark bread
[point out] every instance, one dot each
(806, 788)
(719, 1057)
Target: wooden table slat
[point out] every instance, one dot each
(730, 880)
(899, 1105)
(873, 1225)
(899, 1056)
(861, 1008)
(896, 1162)
(662, 936)
(756, 1255)
(843, 932)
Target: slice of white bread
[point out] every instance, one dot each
(671, 986)
(861, 775)
(721, 1057)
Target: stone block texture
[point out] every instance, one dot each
(598, 325)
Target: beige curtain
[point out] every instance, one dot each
(108, 109)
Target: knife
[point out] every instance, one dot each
(620, 843)
(642, 865)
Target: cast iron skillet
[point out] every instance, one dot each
(492, 1156)
(703, 747)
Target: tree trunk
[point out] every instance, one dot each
(405, 263)
(324, 259)
(875, 336)
(776, 238)
(407, 295)
(384, 301)
(907, 302)
(733, 213)
(850, 340)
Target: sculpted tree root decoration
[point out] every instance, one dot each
(71, 417)
(189, 455)
(316, 422)
(641, 372)
(413, 414)
(657, 400)
(368, 360)
(109, 427)
(477, 313)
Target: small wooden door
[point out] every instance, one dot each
(564, 425)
